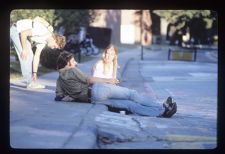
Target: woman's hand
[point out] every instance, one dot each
(34, 76)
(24, 54)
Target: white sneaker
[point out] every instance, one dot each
(35, 85)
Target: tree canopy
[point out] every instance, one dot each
(174, 16)
(70, 19)
(48, 15)
(202, 23)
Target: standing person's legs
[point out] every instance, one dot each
(25, 65)
(108, 91)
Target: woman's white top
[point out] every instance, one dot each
(40, 33)
(99, 68)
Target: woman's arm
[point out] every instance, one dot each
(23, 36)
(93, 80)
(36, 60)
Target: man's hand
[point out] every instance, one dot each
(67, 99)
(114, 81)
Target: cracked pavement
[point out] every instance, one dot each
(37, 121)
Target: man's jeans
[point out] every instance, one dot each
(124, 98)
(25, 65)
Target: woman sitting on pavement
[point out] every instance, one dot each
(82, 88)
(107, 66)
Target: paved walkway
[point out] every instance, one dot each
(37, 121)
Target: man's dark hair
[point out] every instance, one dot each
(63, 59)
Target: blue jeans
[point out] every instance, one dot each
(124, 98)
(25, 65)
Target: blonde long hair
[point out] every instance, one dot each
(115, 63)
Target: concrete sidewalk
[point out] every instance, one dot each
(37, 121)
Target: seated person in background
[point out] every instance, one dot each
(82, 88)
(107, 66)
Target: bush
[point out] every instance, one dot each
(49, 57)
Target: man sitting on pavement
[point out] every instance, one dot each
(73, 85)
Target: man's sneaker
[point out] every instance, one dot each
(35, 85)
(169, 102)
(170, 108)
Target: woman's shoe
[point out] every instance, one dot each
(35, 85)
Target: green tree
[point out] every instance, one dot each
(202, 23)
(47, 14)
(71, 20)
(173, 16)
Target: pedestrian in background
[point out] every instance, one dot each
(26, 34)
(79, 87)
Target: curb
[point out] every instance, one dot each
(85, 137)
(125, 67)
